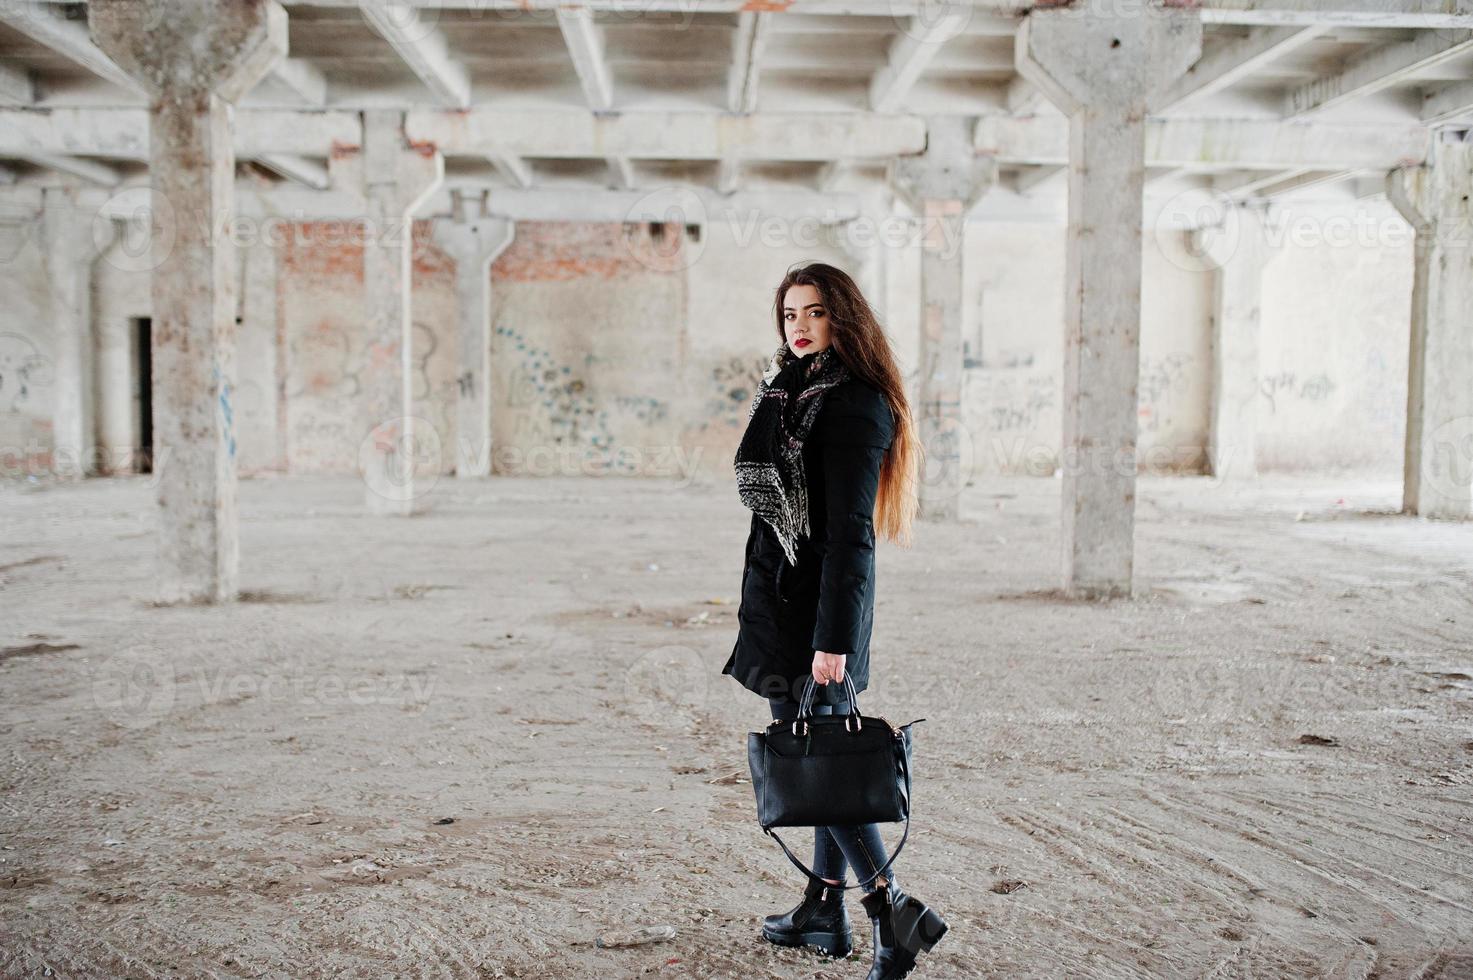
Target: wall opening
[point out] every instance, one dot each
(143, 394)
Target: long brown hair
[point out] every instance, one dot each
(860, 342)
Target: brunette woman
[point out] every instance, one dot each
(830, 454)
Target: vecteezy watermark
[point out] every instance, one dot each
(1026, 457)
(653, 229)
(676, 461)
(41, 460)
(1447, 458)
(677, 13)
(147, 228)
(18, 225)
(400, 458)
(135, 687)
(1206, 690)
(667, 686)
(1113, 9)
(653, 238)
(142, 684)
(1199, 232)
(407, 23)
(932, 22)
(860, 233)
(151, 227)
(948, 458)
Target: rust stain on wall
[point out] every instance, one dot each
(551, 251)
(428, 259)
(324, 248)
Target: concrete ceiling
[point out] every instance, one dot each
(1338, 71)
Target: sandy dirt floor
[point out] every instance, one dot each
(469, 742)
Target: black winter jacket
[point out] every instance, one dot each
(827, 600)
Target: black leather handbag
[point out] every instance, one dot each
(821, 770)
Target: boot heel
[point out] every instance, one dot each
(931, 928)
(919, 927)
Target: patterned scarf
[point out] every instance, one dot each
(769, 460)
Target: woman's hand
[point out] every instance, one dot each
(828, 667)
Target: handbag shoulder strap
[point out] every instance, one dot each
(905, 764)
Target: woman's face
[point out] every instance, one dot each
(805, 320)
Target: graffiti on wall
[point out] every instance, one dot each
(733, 386)
(328, 365)
(1162, 381)
(1020, 403)
(1288, 385)
(326, 355)
(534, 377)
(547, 403)
(1385, 398)
(25, 375)
(642, 408)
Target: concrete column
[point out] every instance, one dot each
(1102, 68)
(194, 59)
(866, 240)
(857, 239)
(1239, 248)
(394, 178)
(1438, 468)
(941, 185)
(73, 235)
(474, 239)
(260, 445)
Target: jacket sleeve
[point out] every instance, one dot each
(855, 430)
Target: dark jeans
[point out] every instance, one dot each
(836, 847)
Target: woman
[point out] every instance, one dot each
(829, 453)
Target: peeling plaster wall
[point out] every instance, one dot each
(259, 435)
(121, 294)
(1014, 339)
(320, 284)
(618, 350)
(590, 349)
(1336, 331)
(27, 368)
(733, 331)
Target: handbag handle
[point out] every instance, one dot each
(905, 765)
(805, 701)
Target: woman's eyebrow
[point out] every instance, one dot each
(808, 307)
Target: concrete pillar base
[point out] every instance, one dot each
(193, 58)
(1103, 67)
(395, 178)
(474, 239)
(1240, 248)
(942, 185)
(1438, 471)
(73, 235)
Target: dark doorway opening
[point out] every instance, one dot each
(143, 344)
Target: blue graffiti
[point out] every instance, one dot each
(227, 414)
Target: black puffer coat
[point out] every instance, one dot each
(827, 600)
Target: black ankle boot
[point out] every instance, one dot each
(903, 928)
(819, 920)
